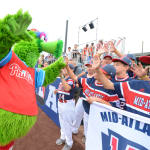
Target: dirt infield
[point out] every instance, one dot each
(43, 136)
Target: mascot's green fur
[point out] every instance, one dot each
(26, 45)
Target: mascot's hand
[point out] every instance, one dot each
(15, 26)
(19, 23)
(61, 63)
(53, 71)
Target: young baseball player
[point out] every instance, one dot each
(122, 66)
(66, 109)
(79, 110)
(135, 92)
(93, 88)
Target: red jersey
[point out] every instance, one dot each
(17, 88)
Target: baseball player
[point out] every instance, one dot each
(66, 109)
(135, 92)
(133, 60)
(92, 87)
(79, 110)
(122, 66)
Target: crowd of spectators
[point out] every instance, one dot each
(44, 61)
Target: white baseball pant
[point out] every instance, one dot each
(66, 118)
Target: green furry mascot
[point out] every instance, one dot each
(19, 52)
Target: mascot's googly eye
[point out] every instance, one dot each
(42, 38)
(40, 35)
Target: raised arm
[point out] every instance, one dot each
(66, 86)
(140, 71)
(81, 74)
(102, 78)
(114, 50)
(70, 72)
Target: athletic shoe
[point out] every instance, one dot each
(60, 141)
(66, 147)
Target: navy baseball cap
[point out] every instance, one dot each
(145, 59)
(107, 55)
(71, 66)
(89, 63)
(123, 59)
(131, 56)
(109, 69)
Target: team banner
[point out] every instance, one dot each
(110, 128)
(51, 101)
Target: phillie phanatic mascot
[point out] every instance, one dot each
(19, 52)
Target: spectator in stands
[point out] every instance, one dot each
(85, 53)
(69, 53)
(106, 53)
(42, 60)
(99, 45)
(75, 52)
(91, 51)
(46, 64)
(47, 58)
(80, 56)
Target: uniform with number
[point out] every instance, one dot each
(120, 103)
(66, 109)
(137, 96)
